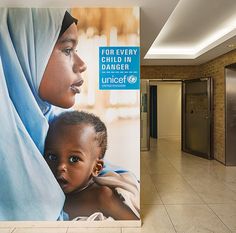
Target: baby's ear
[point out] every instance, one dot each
(98, 167)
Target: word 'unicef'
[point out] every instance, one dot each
(114, 80)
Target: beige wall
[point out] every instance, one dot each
(214, 69)
(168, 110)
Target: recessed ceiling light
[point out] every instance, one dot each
(187, 53)
(231, 46)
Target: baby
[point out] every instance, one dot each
(74, 149)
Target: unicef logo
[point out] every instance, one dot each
(132, 79)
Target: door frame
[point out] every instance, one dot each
(209, 155)
(144, 105)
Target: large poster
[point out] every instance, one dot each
(70, 130)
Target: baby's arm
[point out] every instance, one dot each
(111, 204)
(98, 199)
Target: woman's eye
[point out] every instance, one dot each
(74, 159)
(52, 157)
(67, 51)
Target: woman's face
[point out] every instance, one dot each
(62, 76)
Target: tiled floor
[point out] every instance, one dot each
(179, 193)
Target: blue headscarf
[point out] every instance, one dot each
(28, 189)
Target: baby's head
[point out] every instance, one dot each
(74, 148)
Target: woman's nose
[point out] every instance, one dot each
(79, 65)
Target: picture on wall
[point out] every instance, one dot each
(70, 115)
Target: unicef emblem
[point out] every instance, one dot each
(132, 79)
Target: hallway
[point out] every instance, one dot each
(184, 193)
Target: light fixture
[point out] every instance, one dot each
(231, 46)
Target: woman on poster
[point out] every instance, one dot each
(39, 66)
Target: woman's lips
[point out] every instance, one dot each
(75, 87)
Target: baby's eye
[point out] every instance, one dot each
(74, 159)
(52, 157)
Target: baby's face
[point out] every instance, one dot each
(72, 152)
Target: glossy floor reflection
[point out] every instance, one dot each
(179, 193)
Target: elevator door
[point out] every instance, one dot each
(196, 117)
(230, 115)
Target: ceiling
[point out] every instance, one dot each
(173, 32)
